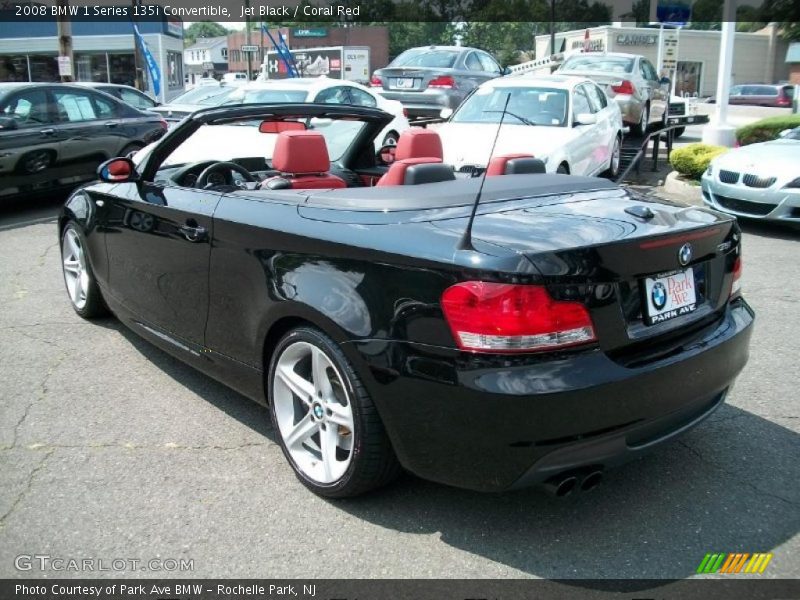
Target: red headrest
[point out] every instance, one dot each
(497, 166)
(419, 143)
(301, 152)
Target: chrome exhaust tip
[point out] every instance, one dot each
(561, 486)
(591, 481)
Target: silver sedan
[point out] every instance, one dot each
(759, 181)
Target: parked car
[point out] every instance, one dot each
(55, 135)
(129, 95)
(567, 122)
(630, 80)
(759, 94)
(323, 90)
(575, 325)
(204, 81)
(431, 78)
(757, 181)
(192, 100)
(235, 78)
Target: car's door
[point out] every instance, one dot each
(582, 144)
(158, 237)
(603, 132)
(658, 92)
(30, 148)
(89, 126)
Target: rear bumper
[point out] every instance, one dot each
(428, 103)
(497, 423)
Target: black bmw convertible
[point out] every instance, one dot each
(491, 332)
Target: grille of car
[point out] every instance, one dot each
(677, 108)
(754, 181)
(743, 206)
(728, 176)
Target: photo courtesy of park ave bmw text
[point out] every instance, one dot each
(351, 299)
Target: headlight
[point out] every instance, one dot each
(709, 170)
(795, 183)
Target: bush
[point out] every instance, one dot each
(692, 160)
(766, 129)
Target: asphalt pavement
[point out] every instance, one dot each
(111, 449)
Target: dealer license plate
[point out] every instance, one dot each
(405, 83)
(669, 296)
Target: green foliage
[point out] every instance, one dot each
(766, 129)
(201, 29)
(404, 35)
(692, 160)
(503, 40)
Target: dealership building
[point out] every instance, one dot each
(759, 57)
(102, 51)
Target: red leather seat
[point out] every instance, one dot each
(415, 147)
(514, 164)
(302, 158)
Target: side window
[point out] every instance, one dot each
(736, 90)
(74, 107)
(28, 109)
(362, 98)
(137, 100)
(651, 71)
(334, 95)
(595, 100)
(472, 63)
(580, 103)
(488, 63)
(103, 108)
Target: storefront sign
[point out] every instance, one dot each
(669, 61)
(64, 66)
(636, 39)
(588, 45)
(310, 32)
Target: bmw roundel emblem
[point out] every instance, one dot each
(659, 295)
(685, 254)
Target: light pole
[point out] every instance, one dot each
(64, 29)
(719, 132)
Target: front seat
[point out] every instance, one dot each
(515, 164)
(418, 159)
(303, 161)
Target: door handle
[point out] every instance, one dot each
(48, 131)
(194, 233)
(111, 124)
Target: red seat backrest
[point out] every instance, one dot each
(302, 158)
(419, 143)
(497, 166)
(396, 174)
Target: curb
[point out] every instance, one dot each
(675, 187)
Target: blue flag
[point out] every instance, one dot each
(152, 65)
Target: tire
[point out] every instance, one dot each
(82, 290)
(130, 149)
(616, 155)
(678, 132)
(563, 169)
(35, 161)
(641, 127)
(359, 457)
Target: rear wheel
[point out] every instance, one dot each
(641, 127)
(131, 149)
(78, 276)
(613, 165)
(326, 422)
(35, 162)
(678, 131)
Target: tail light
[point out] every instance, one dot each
(442, 81)
(164, 124)
(499, 317)
(375, 81)
(736, 282)
(623, 87)
(784, 101)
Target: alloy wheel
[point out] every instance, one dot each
(76, 274)
(36, 162)
(615, 157)
(313, 412)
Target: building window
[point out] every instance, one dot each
(44, 67)
(91, 67)
(225, 53)
(175, 70)
(122, 69)
(14, 68)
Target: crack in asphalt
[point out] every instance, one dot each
(28, 485)
(735, 475)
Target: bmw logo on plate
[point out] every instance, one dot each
(685, 254)
(659, 295)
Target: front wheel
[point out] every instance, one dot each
(82, 289)
(326, 422)
(613, 164)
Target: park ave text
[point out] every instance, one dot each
(178, 589)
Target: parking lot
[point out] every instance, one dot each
(112, 449)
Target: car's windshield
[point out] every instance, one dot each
(207, 96)
(253, 96)
(528, 105)
(244, 140)
(426, 57)
(611, 64)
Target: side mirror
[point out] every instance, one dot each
(506, 71)
(446, 113)
(585, 119)
(784, 133)
(8, 124)
(117, 170)
(665, 81)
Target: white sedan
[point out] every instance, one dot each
(568, 122)
(323, 90)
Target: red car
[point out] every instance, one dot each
(759, 94)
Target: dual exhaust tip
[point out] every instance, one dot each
(564, 484)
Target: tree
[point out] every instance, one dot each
(504, 40)
(202, 29)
